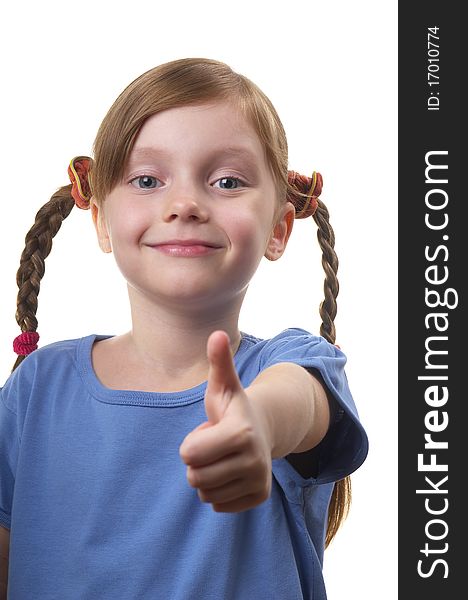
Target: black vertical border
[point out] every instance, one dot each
(442, 568)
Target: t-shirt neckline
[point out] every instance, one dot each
(135, 397)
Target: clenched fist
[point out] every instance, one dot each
(228, 457)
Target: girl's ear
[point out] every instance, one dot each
(101, 228)
(281, 231)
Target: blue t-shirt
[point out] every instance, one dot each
(96, 498)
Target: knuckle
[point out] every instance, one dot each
(246, 438)
(254, 466)
(267, 489)
(263, 495)
(264, 485)
(183, 453)
(258, 466)
(204, 496)
(193, 477)
(187, 451)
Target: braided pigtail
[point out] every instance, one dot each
(326, 239)
(38, 244)
(304, 194)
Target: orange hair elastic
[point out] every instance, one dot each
(78, 171)
(314, 185)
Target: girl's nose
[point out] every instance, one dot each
(185, 205)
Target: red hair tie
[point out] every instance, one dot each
(26, 343)
(78, 172)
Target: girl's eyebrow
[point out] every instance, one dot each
(223, 151)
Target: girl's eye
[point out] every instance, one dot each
(144, 182)
(229, 183)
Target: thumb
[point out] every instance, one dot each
(223, 380)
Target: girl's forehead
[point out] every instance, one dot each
(222, 119)
(219, 126)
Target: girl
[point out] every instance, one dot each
(184, 459)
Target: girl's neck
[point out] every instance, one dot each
(165, 349)
(176, 347)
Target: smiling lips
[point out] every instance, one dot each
(186, 248)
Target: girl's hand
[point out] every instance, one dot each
(228, 457)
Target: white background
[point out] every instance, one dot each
(330, 70)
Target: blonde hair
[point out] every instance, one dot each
(174, 84)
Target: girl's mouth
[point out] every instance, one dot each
(186, 248)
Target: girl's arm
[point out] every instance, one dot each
(4, 553)
(295, 406)
(285, 410)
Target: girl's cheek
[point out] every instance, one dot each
(247, 231)
(125, 221)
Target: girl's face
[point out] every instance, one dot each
(196, 208)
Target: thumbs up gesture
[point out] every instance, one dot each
(228, 457)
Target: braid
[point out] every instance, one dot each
(326, 239)
(341, 497)
(38, 244)
(303, 192)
